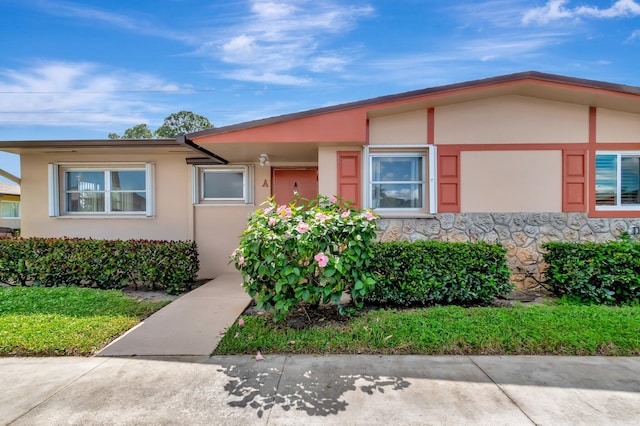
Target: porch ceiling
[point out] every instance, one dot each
(278, 152)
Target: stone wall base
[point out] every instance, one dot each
(521, 234)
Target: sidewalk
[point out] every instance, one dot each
(191, 325)
(337, 389)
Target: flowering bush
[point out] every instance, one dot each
(309, 253)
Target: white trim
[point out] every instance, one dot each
(429, 155)
(418, 147)
(366, 201)
(247, 184)
(619, 207)
(54, 190)
(422, 155)
(195, 179)
(150, 178)
(433, 169)
(10, 202)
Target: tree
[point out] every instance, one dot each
(180, 123)
(139, 131)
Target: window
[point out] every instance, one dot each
(223, 184)
(121, 189)
(397, 181)
(617, 181)
(10, 209)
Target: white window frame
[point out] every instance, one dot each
(428, 154)
(9, 202)
(618, 206)
(58, 190)
(247, 184)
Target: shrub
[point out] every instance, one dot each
(603, 273)
(436, 272)
(309, 253)
(105, 264)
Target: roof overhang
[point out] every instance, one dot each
(13, 178)
(178, 145)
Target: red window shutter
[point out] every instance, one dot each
(448, 181)
(349, 188)
(574, 181)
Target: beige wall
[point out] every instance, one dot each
(511, 119)
(408, 128)
(616, 126)
(328, 170)
(511, 181)
(218, 227)
(10, 223)
(172, 200)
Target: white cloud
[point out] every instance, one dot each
(77, 93)
(83, 12)
(266, 77)
(634, 35)
(558, 9)
(621, 8)
(281, 38)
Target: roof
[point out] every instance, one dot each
(433, 91)
(9, 189)
(179, 142)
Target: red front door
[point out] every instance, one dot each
(287, 182)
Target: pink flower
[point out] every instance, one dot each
(241, 260)
(333, 199)
(272, 221)
(284, 211)
(268, 210)
(322, 259)
(302, 227)
(369, 216)
(241, 322)
(345, 214)
(321, 217)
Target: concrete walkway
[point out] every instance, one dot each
(309, 390)
(191, 325)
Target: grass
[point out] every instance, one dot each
(539, 330)
(65, 320)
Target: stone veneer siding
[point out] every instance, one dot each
(521, 234)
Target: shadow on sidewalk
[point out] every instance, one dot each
(300, 387)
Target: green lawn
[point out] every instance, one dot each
(65, 320)
(542, 329)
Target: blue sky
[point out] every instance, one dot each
(75, 70)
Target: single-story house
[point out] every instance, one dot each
(9, 206)
(519, 159)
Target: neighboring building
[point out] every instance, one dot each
(520, 159)
(9, 206)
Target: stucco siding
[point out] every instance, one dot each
(172, 201)
(616, 126)
(511, 119)
(408, 128)
(10, 223)
(511, 181)
(218, 229)
(328, 171)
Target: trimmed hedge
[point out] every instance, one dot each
(435, 272)
(105, 264)
(603, 273)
